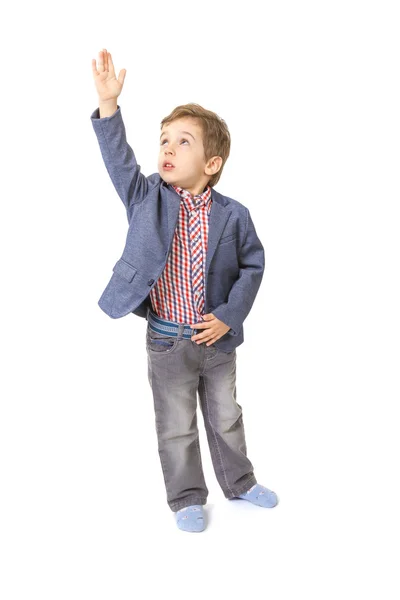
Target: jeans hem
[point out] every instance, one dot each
(175, 506)
(242, 489)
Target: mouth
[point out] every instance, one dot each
(167, 166)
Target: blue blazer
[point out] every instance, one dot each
(235, 256)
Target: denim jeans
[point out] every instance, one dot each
(178, 368)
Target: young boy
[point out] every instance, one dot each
(192, 266)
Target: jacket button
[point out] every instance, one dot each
(150, 282)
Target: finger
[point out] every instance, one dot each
(104, 59)
(94, 70)
(110, 64)
(100, 60)
(204, 337)
(121, 76)
(200, 336)
(198, 339)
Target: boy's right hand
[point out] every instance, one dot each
(107, 85)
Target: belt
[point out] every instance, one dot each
(171, 328)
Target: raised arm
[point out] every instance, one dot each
(119, 158)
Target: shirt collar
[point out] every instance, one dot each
(191, 201)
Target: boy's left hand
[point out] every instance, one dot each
(213, 330)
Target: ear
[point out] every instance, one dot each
(213, 165)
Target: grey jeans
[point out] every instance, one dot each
(178, 368)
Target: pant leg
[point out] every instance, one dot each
(173, 373)
(223, 421)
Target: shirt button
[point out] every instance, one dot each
(150, 282)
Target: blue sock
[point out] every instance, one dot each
(190, 518)
(260, 495)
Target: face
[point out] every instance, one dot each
(181, 144)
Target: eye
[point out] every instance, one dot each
(162, 143)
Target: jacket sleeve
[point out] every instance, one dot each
(245, 289)
(131, 185)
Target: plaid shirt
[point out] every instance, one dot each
(179, 293)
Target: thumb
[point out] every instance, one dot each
(121, 76)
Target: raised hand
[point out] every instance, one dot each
(107, 85)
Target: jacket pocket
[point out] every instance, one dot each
(124, 269)
(227, 238)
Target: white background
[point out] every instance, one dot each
(310, 93)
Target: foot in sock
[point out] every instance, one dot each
(190, 518)
(261, 496)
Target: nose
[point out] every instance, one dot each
(169, 148)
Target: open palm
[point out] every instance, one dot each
(107, 85)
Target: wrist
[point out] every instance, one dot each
(107, 108)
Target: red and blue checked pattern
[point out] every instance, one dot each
(179, 294)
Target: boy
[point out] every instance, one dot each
(192, 266)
